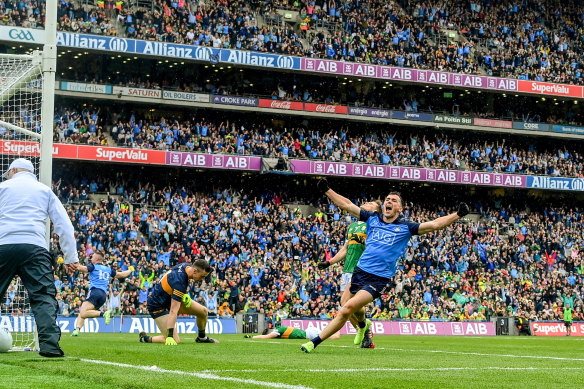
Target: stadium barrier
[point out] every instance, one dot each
(555, 328)
(297, 166)
(436, 119)
(290, 63)
(125, 324)
(405, 327)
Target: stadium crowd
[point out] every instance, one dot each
(332, 91)
(514, 261)
(531, 40)
(370, 144)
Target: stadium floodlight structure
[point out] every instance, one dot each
(27, 103)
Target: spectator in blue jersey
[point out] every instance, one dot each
(388, 235)
(99, 277)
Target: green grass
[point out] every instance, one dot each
(430, 362)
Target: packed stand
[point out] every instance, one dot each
(84, 19)
(370, 145)
(435, 150)
(82, 126)
(218, 24)
(531, 40)
(265, 254)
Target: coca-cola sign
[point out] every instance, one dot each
(326, 108)
(279, 104)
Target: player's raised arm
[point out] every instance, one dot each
(82, 268)
(124, 274)
(444, 221)
(340, 256)
(342, 202)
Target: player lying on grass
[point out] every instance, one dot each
(169, 298)
(388, 235)
(350, 254)
(99, 278)
(284, 332)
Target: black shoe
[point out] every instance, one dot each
(205, 340)
(52, 354)
(368, 340)
(247, 336)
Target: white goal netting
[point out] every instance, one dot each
(16, 317)
(21, 82)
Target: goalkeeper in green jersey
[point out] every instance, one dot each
(284, 332)
(350, 254)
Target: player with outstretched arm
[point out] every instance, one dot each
(387, 238)
(284, 332)
(99, 278)
(169, 298)
(349, 254)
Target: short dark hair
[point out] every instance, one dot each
(201, 264)
(401, 200)
(100, 253)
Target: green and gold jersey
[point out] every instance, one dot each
(290, 332)
(356, 235)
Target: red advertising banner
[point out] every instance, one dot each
(65, 151)
(279, 104)
(116, 154)
(21, 148)
(326, 108)
(546, 88)
(493, 123)
(558, 328)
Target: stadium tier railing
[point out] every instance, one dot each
(270, 61)
(170, 96)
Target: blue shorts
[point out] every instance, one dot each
(371, 283)
(97, 297)
(155, 313)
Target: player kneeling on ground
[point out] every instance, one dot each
(169, 298)
(284, 332)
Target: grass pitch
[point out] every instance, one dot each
(119, 361)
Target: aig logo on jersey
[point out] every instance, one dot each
(381, 236)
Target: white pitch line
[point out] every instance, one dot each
(203, 375)
(441, 352)
(382, 369)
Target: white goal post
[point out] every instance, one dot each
(27, 98)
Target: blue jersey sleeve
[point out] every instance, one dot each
(413, 227)
(90, 267)
(364, 215)
(178, 282)
(113, 273)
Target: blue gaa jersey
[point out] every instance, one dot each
(172, 285)
(99, 276)
(385, 243)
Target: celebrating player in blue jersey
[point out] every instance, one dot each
(169, 298)
(387, 239)
(99, 278)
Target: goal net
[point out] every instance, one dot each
(16, 317)
(21, 97)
